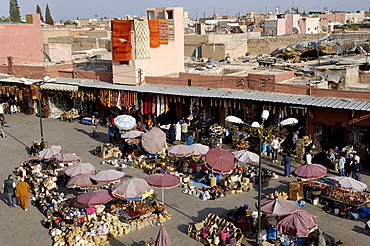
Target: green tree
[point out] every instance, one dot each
(48, 18)
(69, 22)
(15, 14)
(38, 11)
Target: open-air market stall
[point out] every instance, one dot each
(85, 220)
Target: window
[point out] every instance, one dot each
(262, 82)
(169, 15)
(124, 63)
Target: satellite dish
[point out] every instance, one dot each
(46, 56)
(338, 49)
(326, 8)
(350, 21)
(324, 28)
(295, 30)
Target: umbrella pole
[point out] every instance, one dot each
(162, 197)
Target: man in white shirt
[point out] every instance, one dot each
(275, 144)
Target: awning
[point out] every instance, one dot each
(59, 87)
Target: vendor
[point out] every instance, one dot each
(35, 148)
(241, 211)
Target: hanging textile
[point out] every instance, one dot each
(163, 108)
(142, 105)
(118, 105)
(154, 105)
(154, 34)
(142, 45)
(171, 30)
(158, 108)
(163, 31)
(121, 40)
(166, 104)
(137, 103)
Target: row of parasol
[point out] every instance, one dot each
(294, 221)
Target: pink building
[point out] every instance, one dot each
(292, 21)
(22, 41)
(309, 25)
(146, 58)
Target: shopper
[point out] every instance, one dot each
(94, 123)
(347, 165)
(356, 168)
(35, 148)
(9, 189)
(172, 133)
(275, 145)
(178, 131)
(341, 163)
(184, 131)
(190, 139)
(22, 192)
(287, 162)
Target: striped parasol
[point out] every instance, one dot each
(125, 122)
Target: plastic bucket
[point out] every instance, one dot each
(336, 211)
(315, 201)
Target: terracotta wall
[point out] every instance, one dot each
(74, 74)
(36, 72)
(22, 41)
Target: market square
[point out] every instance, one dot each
(185, 209)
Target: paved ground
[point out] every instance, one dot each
(24, 228)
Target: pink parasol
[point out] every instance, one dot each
(80, 168)
(299, 223)
(220, 160)
(108, 176)
(246, 156)
(154, 140)
(67, 158)
(49, 152)
(278, 206)
(199, 149)
(94, 198)
(310, 171)
(132, 189)
(81, 181)
(163, 180)
(180, 150)
(348, 183)
(163, 239)
(131, 134)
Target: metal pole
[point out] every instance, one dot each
(259, 237)
(42, 146)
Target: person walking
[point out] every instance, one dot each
(190, 139)
(22, 192)
(356, 168)
(341, 163)
(287, 162)
(94, 123)
(275, 145)
(9, 189)
(111, 133)
(2, 133)
(184, 131)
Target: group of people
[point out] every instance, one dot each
(13, 191)
(349, 164)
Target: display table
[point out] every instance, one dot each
(334, 194)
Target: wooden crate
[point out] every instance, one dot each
(296, 195)
(296, 186)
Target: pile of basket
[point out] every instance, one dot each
(208, 231)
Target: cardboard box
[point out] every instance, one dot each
(296, 186)
(296, 195)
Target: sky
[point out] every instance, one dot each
(71, 9)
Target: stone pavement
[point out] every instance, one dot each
(20, 228)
